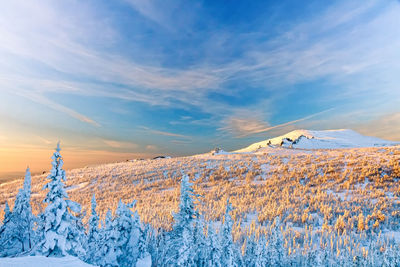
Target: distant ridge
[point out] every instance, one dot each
(328, 139)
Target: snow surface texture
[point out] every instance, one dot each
(329, 139)
(68, 261)
(42, 261)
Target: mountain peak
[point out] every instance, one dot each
(326, 139)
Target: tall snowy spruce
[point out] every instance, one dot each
(230, 256)
(122, 241)
(130, 240)
(108, 256)
(182, 249)
(276, 245)
(4, 232)
(17, 235)
(202, 255)
(214, 247)
(93, 236)
(62, 231)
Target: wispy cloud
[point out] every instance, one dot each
(181, 142)
(346, 43)
(325, 45)
(242, 127)
(56, 106)
(171, 15)
(120, 144)
(164, 133)
(44, 140)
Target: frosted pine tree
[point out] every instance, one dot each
(181, 248)
(229, 254)
(62, 232)
(108, 244)
(93, 237)
(388, 257)
(22, 215)
(19, 227)
(214, 248)
(7, 213)
(201, 243)
(275, 246)
(261, 252)
(129, 242)
(250, 255)
(158, 246)
(5, 240)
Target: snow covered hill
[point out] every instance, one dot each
(329, 139)
(41, 261)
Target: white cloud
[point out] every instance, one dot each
(157, 132)
(119, 144)
(242, 127)
(56, 106)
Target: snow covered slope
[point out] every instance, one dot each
(68, 261)
(41, 261)
(329, 139)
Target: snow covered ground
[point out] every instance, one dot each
(351, 192)
(69, 261)
(41, 261)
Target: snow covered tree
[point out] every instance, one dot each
(229, 254)
(4, 231)
(214, 248)
(108, 243)
(7, 213)
(275, 246)
(93, 237)
(250, 251)
(181, 246)
(129, 239)
(62, 231)
(22, 214)
(158, 246)
(261, 252)
(200, 241)
(19, 227)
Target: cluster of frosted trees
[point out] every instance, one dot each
(122, 239)
(59, 230)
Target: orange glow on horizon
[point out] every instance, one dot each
(39, 160)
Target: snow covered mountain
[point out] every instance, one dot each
(328, 139)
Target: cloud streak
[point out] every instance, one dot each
(120, 144)
(157, 132)
(56, 106)
(242, 127)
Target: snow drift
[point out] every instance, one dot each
(42, 261)
(329, 139)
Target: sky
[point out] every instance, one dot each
(114, 80)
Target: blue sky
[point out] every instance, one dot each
(139, 78)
